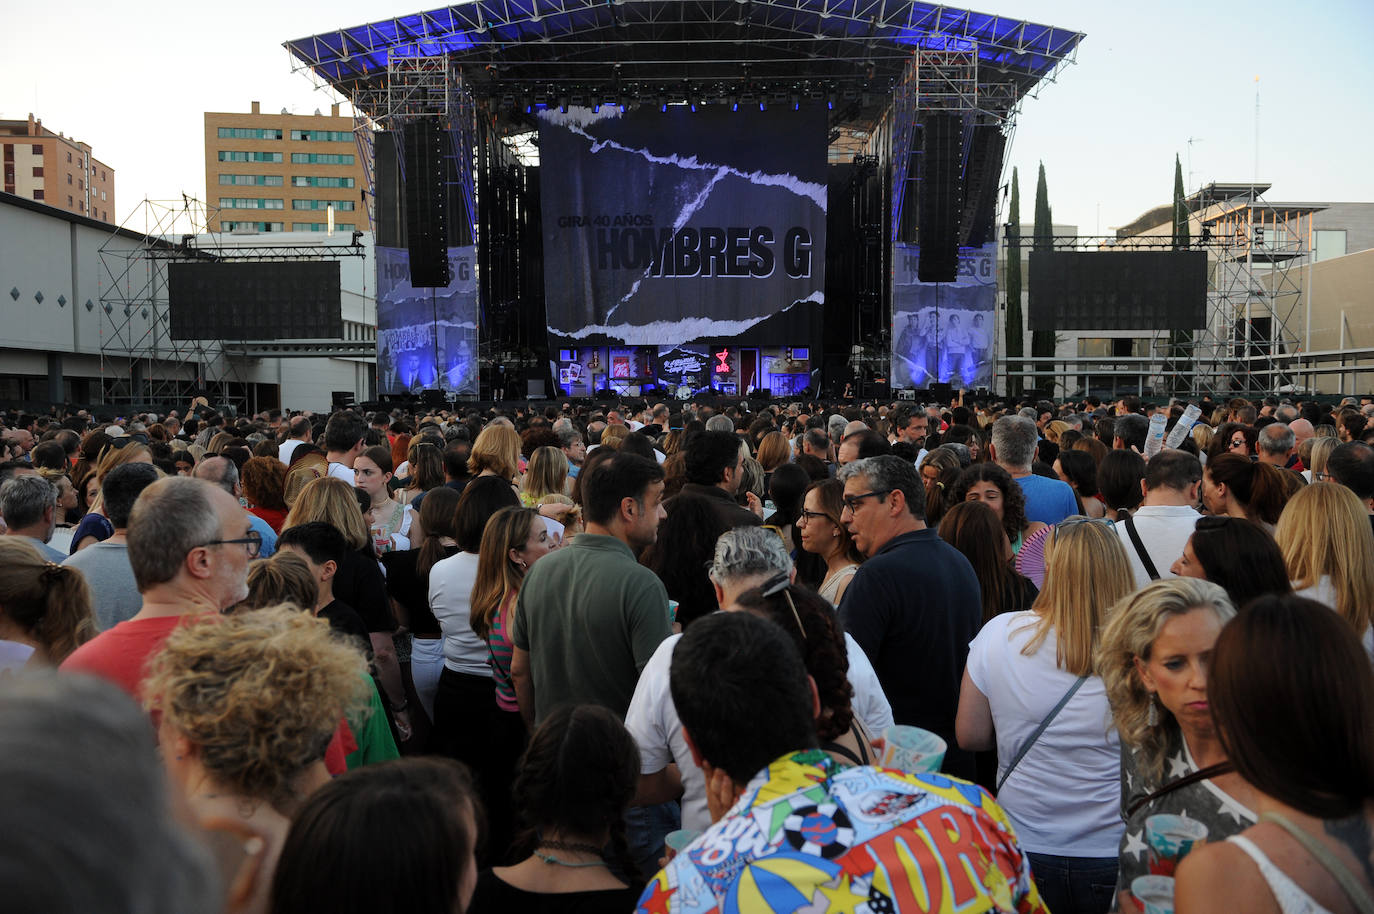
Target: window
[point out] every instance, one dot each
(1113, 347)
(80, 184)
(69, 177)
(102, 174)
(251, 226)
(1329, 243)
(249, 133)
(320, 158)
(38, 171)
(69, 200)
(38, 193)
(305, 181)
(38, 149)
(249, 203)
(103, 196)
(321, 226)
(340, 205)
(69, 155)
(252, 180)
(229, 155)
(322, 136)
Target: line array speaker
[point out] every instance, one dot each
(426, 202)
(941, 197)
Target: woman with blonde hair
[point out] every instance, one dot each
(613, 436)
(1054, 429)
(496, 452)
(513, 540)
(1031, 690)
(1153, 660)
(547, 474)
(45, 609)
(248, 704)
(1328, 548)
(935, 463)
(774, 451)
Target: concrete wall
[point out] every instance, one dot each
(58, 255)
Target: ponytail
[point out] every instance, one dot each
(50, 602)
(1257, 486)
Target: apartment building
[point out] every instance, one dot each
(55, 169)
(284, 172)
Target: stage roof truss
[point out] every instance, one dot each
(640, 50)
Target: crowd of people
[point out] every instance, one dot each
(659, 657)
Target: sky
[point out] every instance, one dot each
(1149, 78)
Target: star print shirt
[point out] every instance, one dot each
(1202, 801)
(808, 835)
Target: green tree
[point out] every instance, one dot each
(1180, 339)
(1015, 331)
(1042, 341)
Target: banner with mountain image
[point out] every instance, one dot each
(661, 228)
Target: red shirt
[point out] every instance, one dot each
(121, 656)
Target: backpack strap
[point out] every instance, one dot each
(1140, 549)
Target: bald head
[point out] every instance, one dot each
(1302, 430)
(219, 470)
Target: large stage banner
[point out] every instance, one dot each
(426, 338)
(943, 333)
(661, 228)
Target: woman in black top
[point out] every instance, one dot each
(576, 780)
(407, 582)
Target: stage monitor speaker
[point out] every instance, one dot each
(940, 197)
(426, 202)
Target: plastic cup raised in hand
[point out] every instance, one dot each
(1169, 839)
(912, 749)
(1155, 893)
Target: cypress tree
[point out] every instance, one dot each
(1042, 341)
(1180, 339)
(1015, 330)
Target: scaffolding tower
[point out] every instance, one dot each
(140, 362)
(1255, 251)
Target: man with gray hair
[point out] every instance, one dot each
(914, 625)
(224, 473)
(1275, 445)
(29, 506)
(745, 558)
(1014, 447)
(189, 546)
(720, 424)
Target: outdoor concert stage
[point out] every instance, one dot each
(721, 196)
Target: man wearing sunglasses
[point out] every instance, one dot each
(189, 544)
(913, 606)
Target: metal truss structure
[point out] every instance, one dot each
(140, 361)
(1250, 345)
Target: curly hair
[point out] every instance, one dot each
(259, 695)
(814, 627)
(1013, 499)
(1132, 627)
(264, 482)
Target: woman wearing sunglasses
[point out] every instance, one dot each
(1031, 691)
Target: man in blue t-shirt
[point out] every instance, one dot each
(1014, 446)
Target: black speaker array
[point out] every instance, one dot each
(426, 202)
(941, 197)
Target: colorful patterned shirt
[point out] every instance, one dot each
(501, 652)
(807, 835)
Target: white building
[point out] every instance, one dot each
(83, 313)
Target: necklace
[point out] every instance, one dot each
(569, 846)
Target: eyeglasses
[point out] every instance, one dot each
(1237, 442)
(778, 585)
(252, 540)
(1320, 476)
(1076, 519)
(808, 516)
(852, 501)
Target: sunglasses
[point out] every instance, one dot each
(1077, 519)
(778, 585)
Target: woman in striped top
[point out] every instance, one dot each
(514, 539)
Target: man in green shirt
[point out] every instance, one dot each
(589, 616)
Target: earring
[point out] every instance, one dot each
(1152, 718)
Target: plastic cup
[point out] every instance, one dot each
(1155, 893)
(672, 610)
(1169, 839)
(677, 841)
(912, 749)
